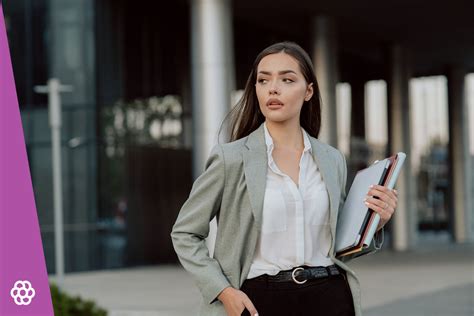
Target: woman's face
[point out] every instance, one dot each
(281, 88)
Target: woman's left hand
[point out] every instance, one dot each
(385, 203)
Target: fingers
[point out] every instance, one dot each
(249, 306)
(383, 208)
(384, 215)
(386, 195)
(381, 191)
(236, 301)
(382, 200)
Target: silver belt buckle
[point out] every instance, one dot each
(294, 277)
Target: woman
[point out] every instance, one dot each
(276, 191)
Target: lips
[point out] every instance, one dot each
(274, 103)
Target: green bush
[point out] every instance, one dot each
(65, 305)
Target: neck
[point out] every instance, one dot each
(286, 134)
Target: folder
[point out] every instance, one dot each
(356, 223)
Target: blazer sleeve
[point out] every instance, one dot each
(192, 227)
(378, 239)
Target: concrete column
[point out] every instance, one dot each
(325, 65)
(212, 80)
(212, 73)
(404, 221)
(461, 204)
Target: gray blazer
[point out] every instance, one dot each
(232, 188)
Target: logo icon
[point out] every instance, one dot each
(22, 292)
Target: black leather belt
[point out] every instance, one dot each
(302, 274)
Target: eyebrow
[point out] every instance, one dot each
(282, 72)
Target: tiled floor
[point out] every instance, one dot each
(434, 281)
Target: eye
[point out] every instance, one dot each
(262, 80)
(288, 80)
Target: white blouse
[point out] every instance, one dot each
(295, 224)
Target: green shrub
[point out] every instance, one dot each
(65, 305)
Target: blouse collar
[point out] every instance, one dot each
(269, 140)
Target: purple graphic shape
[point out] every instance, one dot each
(21, 249)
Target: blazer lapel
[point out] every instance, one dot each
(255, 169)
(328, 170)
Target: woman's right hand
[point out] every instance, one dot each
(235, 302)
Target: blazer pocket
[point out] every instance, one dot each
(274, 211)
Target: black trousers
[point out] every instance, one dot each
(330, 296)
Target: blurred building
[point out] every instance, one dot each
(433, 190)
(152, 81)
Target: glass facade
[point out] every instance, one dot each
(126, 157)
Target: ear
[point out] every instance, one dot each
(309, 92)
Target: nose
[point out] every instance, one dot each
(274, 89)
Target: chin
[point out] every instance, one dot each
(274, 119)
(277, 117)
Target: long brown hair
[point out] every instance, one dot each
(245, 116)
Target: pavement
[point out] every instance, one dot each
(435, 280)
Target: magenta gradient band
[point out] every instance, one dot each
(23, 274)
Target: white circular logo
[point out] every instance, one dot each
(22, 292)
